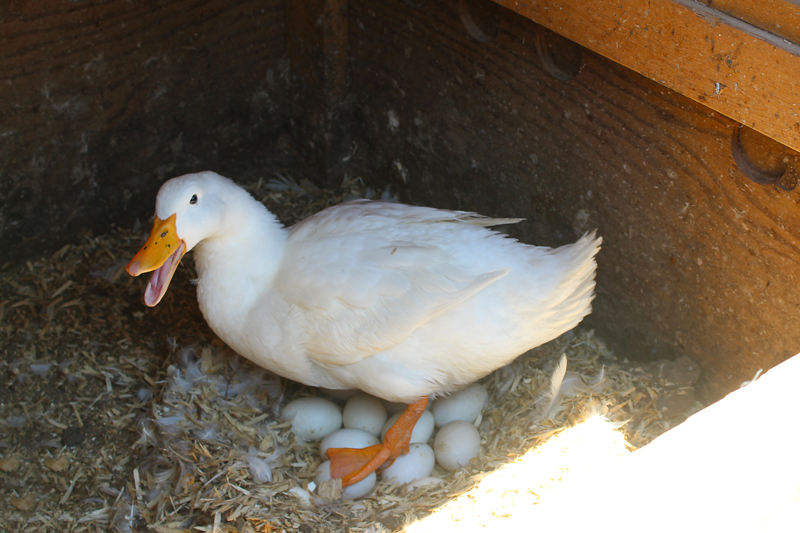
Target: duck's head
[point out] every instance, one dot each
(189, 209)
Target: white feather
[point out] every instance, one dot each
(177, 384)
(507, 380)
(40, 369)
(261, 467)
(209, 432)
(260, 470)
(549, 397)
(144, 394)
(572, 385)
(598, 383)
(147, 435)
(171, 425)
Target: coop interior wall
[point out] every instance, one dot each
(697, 259)
(100, 103)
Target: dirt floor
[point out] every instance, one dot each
(117, 417)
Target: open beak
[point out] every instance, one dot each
(161, 254)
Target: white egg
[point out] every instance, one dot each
(312, 418)
(347, 438)
(465, 404)
(418, 463)
(456, 444)
(359, 490)
(364, 412)
(422, 430)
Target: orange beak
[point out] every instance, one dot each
(161, 254)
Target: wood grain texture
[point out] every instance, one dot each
(780, 17)
(318, 51)
(735, 68)
(697, 259)
(100, 101)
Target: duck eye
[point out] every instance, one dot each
(193, 200)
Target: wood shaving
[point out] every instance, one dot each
(118, 417)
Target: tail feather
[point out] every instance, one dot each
(571, 298)
(577, 282)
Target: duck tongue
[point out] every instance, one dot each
(159, 280)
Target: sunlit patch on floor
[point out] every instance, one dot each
(513, 489)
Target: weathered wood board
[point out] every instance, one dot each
(697, 258)
(100, 101)
(728, 64)
(779, 17)
(319, 84)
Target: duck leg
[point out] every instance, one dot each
(354, 464)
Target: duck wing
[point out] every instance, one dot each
(365, 275)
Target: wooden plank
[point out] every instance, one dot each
(779, 17)
(728, 65)
(733, 466)
(317, 47)
(100, 101)
(697, 259)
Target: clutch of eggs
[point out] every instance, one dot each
(365, 419)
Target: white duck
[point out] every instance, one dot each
(399, 301)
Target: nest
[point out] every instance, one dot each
(121, 418)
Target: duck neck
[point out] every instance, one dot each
(238, 265)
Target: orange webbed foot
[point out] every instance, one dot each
(352, 465)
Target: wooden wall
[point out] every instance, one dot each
(100, 101)
(697, 258)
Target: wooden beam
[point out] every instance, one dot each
(781, 17)
(727, 64)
